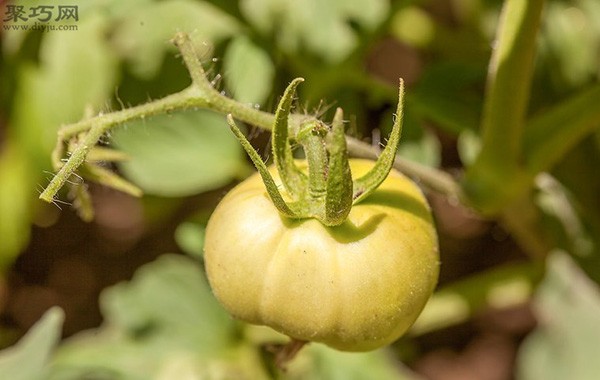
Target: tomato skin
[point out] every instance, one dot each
(355, 287)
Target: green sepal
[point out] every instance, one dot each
(82, 201)
(338, 200)
(311, 135)
(328, 192)
(107, 178)
(100, 154)
(366, 184)
(267, 178)
(293, 179)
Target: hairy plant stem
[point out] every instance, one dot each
(201, 94)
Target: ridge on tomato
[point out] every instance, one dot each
(308, 250)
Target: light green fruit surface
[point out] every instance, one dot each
(354, 287)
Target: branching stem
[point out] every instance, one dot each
(201, 94)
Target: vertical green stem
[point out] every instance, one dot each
(497, 176)
(509, 81)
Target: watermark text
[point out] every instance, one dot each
(43, 18)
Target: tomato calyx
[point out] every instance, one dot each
(328, 192)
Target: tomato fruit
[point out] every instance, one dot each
(354, 287)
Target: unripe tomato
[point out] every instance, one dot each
(354, 287)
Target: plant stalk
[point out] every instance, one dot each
(200, 94)
(498, 177)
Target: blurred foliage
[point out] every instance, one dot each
(567, 305)
(28, 360)
(181, 154)
(165, 323)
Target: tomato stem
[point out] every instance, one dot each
(286, 353)
(201, 94)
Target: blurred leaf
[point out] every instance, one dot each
(447, 95)
(190, 238)
(418, 143)
(577, 172)
(318, 362)
(561, 218)
(28, 359)
(16, 181)
(169, 296)
(322, 27)
(572, 36)
(248, 71)
(181, 154)
(164, 319)
(551, 134)
(144, 34)
(413, 26)
(500, 287)
(564, 345)
(77, 70)
(468, 146)
(425, 150)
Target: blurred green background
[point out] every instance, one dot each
(131, 286)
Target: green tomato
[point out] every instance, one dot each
(354, 287)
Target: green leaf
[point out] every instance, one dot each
(248, 70)
(144, 34)
(165, 318)
(564, 344)
(322, 27)
(28, 359)
(181, 154)
(169, 296)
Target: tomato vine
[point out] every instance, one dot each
(83, 135)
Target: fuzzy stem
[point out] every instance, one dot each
(77, 158)
(288, 352)
(200, 94)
